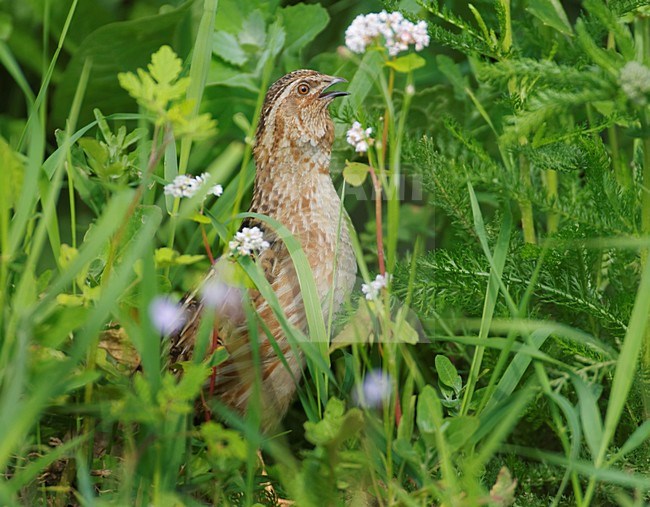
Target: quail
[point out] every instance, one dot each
(292, 151)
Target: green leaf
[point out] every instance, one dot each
(302, 23)
(6, 26)
(12, 174)
(459, 430)
(640, 436)
(407, 63)
(165, 66)
(429, 410)
(336, 426)
(447, 373)
(185, 259)
(592, 424)
(113, 48)
(199, 218)
(253, 31)
(551, 13)
(355, 173)
(226, 47)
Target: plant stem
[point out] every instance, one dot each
(378, 219)
(553, 219)
(526, 207)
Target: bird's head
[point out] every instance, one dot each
(295, 112)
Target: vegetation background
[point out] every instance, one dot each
(510, 352)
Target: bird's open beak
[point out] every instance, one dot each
(331, 95)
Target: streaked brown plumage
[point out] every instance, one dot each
(292, 184)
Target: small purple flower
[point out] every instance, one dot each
(374, 390)
(166, 316)
(226, 300)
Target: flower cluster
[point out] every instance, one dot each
(398, 32)
(635, 82)
(372, 289)
(186, 186)
(166, 316)
(248, 241)
(360, 138)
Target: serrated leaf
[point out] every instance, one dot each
(226, 47)
(355, 173)
(407, 63)
(165, 66)
(336, 425)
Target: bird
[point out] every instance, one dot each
(292, 152)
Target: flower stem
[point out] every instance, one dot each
(378, 219)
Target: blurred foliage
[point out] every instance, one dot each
(520, 243)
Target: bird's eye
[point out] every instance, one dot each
(303, 89)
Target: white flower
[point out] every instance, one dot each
(372, 289)
(182, 186)
(410, 89)
(374, 390)
(248, 241)
(187, 186)
(216, 190)
(398, 33)
(635, 82)
(360, 138)
(166, 316)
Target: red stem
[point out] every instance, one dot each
(206, 243)
(378, 220)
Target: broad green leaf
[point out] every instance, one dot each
(447, 373)
(429, 410)
(362, 83)
(407, 63)
(355, 173)
(459, 430)
(302, 23)
(551, 13)
(253, 31)
(113, 48)
(226, 46)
